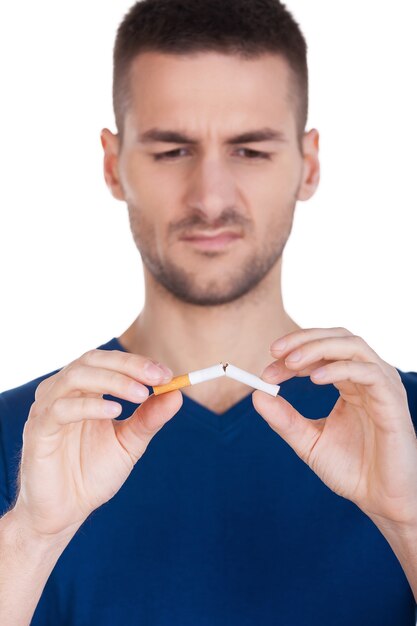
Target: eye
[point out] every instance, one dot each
(255, 154)
(173, 154)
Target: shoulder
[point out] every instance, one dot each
(19, 399)
(15, 405)
(21, 395)
(14, 409)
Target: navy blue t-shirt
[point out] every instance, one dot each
(220, 523)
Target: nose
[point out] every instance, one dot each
(212, 188)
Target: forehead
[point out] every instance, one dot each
(209, 87)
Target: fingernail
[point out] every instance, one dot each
(321, 373)
(112, 409)
(270, 371)
(167, 373)
(295, 356)
(278, 345)
(156, 370)
(137, 390)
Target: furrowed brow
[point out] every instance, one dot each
(171, 136)
(255, 136)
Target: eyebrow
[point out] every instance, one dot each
(172, 136)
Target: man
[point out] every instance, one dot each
(299, 509)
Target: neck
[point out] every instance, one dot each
(186, 337)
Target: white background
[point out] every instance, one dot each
(71, 276)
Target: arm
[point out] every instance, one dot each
(26, 561)
(403, 541)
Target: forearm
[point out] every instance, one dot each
(403, 541)
(26, 562)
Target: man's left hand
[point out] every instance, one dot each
(366, 448)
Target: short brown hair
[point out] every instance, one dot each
(246, 28)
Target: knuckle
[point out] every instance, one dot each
(132, 361)
(67, 368)
(85, 405)
(380, 372)
(126, 359)
(74, 374)
(45, 385)
(377, 369)
(395, 373)
(359, 343)
(27, 428)
(34, 411)
(39, 389)
(88, 356)
(343, 330)
(117, 380)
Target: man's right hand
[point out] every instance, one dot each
(75, 457)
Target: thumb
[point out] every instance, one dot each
(298, 431)
(135, 432)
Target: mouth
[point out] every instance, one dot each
(216, 240)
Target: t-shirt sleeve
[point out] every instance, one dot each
(5, 500)
(15, 406)
(409, 380)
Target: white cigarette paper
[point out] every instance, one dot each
(215, 371)
(200, 376)
(250, 379)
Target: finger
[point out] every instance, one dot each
(278, 372)
(298, 431)
(135, 365)
(333, 348)
(85, 379)
(385, 393)
(135, 432)
(286, 344)
(71, 410)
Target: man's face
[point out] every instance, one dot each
(249, 187)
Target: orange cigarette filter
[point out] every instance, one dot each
(175, 383)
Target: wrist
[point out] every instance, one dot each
(27, 559)
(401, 527)
(17, 532)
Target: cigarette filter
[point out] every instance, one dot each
(184, 380)
(250, 379)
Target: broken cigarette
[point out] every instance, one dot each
(209, 373)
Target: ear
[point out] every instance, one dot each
(311, 165)
(110, 143)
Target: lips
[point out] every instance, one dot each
(227, 234)
(215, 241)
